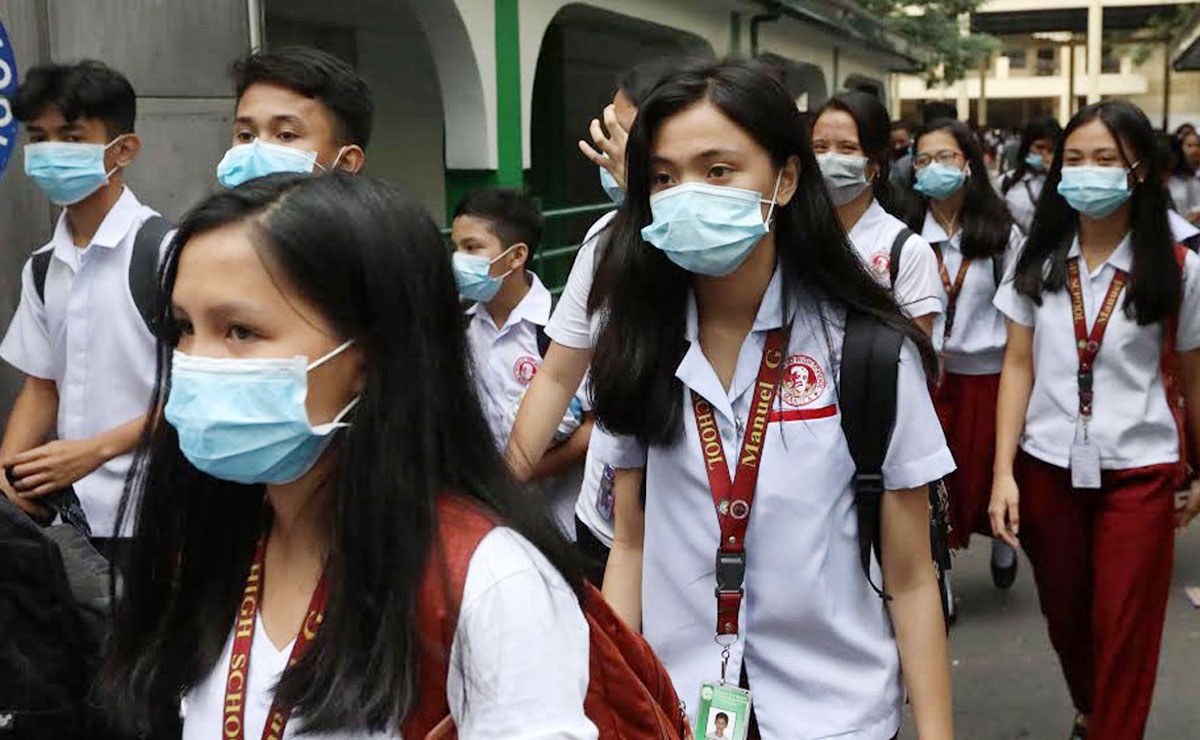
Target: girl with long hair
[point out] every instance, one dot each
(1183, 182)
(729, 277)
(852, 141)
(958, 211)
(1022, 186)
(1101, 307)
(319, 434)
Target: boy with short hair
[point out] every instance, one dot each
(299, 109)
(79, 335)
(495, 232)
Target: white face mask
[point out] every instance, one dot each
(845, 176)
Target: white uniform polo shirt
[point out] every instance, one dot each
(1185, 192)
(1022, 198)
(816, 639)
(1181, 228)
(918, 287)
(976, 344)
(1131, 422)
(506, 359)
(89, 338)
(571, 326)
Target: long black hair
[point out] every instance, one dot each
(373, 262)
(1155, 284)
(986, 223)
(874, 136)
(642, 295)
(1178, 161)
(1039, 128)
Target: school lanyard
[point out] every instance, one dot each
(1089, 347)
(952, 289)
(239, 662)
(733, 499)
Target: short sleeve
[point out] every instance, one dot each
(918, 287)
(1017, 308)
(1187, 336)
(570, 324)
(618, 451)
(917, 453)
(26, 345)
(520, 659)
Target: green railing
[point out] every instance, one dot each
(564, 227)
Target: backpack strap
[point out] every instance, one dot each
(897, 249)
(998, 268)
(867, 394)
(462, 525)
(143, 268)
(543, 341)
(40, 264)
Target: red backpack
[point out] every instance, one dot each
(629, 697)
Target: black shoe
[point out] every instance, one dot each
(1079, 732)
(1003, 578)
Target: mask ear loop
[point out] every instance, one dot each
(500, 257)
(774, 196)
(329, 356)
(113, 171)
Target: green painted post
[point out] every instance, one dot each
(510, 169)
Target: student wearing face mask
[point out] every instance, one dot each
(1088, 448)
(851, 141)
(297, 502)
(717, 370)
(299, 109)
(1022, 186)
(495, 232)
(80, 334)
(973, 238)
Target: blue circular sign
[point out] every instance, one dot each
(8, 88)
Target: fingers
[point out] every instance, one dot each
(44, 489)
(28, 487)
(1013, 509)
(616, 132)
(603, 142)
(30, 455)
(595, 156)
(32, 508)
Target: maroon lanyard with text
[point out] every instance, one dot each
(733, 499)
(1089, 346)
(233, 725)
(952, 289)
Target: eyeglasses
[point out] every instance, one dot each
(945, 157)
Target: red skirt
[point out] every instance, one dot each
(966, 405)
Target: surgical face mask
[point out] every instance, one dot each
(612, 189)
(261, 158)
(472, 275)
(68, 172)
(1035, 162)
(1095, 191)
(939, 181)
(708, 229)
(245, 420)
(845, 176)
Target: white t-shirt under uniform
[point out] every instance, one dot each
(977, 339)
(518, 663)
(1131, 422)
(816, 639)
(89, 338)
(506, 359)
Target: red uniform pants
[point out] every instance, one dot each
(966, 406)
(1102, 563)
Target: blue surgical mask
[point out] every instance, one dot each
(845, 176)
(1095, 191)
(612, 189)
(1035, 162)
(67, 172)
(261, 158)
(245, 420)
(473, 278)
(940, 181)
(708, 229)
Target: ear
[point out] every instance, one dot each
(519, 256)
(789, 181)
(1138, 173)
(872, 170)
(124, 151)
(352, 160)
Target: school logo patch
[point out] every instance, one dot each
(525, 368)
(881, 262)
(803, 381)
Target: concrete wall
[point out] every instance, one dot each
(175, 52)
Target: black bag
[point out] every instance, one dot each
(54, 612)
(898, 248)
(867, 394)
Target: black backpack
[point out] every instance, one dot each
(54, 610)
(143, 269)
(867, 394)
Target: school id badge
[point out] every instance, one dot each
(1085, 465)
(724, 712)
